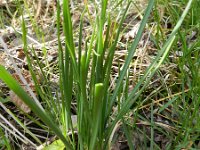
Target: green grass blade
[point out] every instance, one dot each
(69, 39)
(152, 128)
(109, 60)
(127, 134)
(167, 104)
(132, 51)
(100, 43)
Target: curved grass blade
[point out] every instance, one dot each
(131, 52)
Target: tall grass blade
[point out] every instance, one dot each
(131, 52)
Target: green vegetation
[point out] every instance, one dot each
(92, 104)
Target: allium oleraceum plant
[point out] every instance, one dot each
(87, 74)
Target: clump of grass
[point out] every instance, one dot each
(85, 74)
(185, 74)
